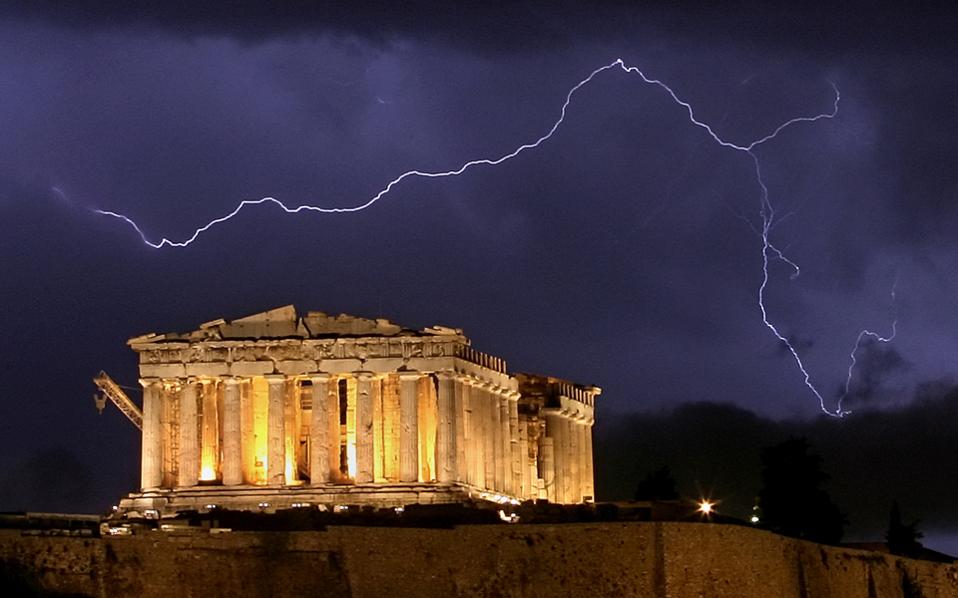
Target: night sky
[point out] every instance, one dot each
(618, 253)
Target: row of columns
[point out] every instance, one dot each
(565, 458)
(489, 454)
(480, 439)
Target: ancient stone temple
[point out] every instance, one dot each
(276, 410)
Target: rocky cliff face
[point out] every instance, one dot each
(676, 560)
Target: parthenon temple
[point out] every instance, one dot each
(276, 410)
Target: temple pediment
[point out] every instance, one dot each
(284, 322)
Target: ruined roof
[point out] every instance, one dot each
(549, 389)
(283, 322)
(540, 381)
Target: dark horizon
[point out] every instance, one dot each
(712, 450)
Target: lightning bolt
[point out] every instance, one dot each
(766, 213)
(853, 361)
(59, 193)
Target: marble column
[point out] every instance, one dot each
(503, 455)
(334, 433)
(232, 436)
(364, 428)
(247, 430)
(561, 448)
(555, 429)
(575, 459)
(391, 427)
(170, 431)
(478, 403)
(446, 429)
(428, 423)
(379, 437)
(319, 430)
(275, 431)
(151, 464)
(472, 448)
(352, 389)
(189, 465)
(291, 427)
(525, 471)
(534, 429)
(588, 472)
(502, 402)
(459, 408)
(514, 486)
(209, 431)
(547, 452)
(408, 426)
(492, 448)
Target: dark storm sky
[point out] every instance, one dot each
(613, 254)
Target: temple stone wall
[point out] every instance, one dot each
(677, 560)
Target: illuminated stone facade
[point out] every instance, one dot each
(275, 410)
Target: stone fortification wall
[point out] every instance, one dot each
(676, 560)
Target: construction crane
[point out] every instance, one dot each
(111, 390)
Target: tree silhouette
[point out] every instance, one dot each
(657, 485)
(792, 500)
(902, 539)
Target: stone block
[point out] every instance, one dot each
(383, 365)
(162, 370)
(431, 364)
(207, 369)
(296, 367)
(340, 366)
(251, 368)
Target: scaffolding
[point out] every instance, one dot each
(111, 390)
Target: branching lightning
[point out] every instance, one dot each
(853, 361)
(766, 212)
